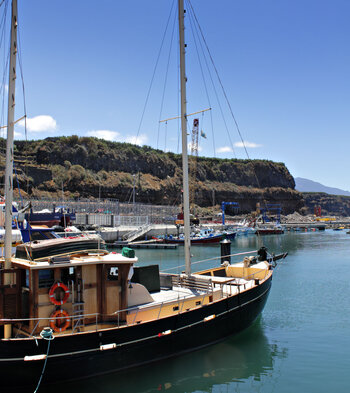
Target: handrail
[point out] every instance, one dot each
(212, 259)
(137, 232)
(70, 253)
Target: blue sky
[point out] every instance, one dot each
(284, 64)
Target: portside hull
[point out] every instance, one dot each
(79, 356)
(50, 219)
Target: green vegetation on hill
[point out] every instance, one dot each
(86, 166)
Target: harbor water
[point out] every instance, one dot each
(301, 342)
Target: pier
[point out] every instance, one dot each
(151, 244)
(302, 225)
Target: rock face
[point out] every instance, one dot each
(86, 167)
(330, 204)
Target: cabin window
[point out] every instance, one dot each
(67, 274)
(198, 303)
(176, 308)
(113, 274)
(46, 278)
(26, 279)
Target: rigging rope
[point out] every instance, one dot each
(225, 95)
(218, 76)
(24, 105)
(154, 72)
(203, 78)
(213, 84)
(6, 60)
(19, 189)
(165, 135)
(165, 82)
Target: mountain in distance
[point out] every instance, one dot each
(306, 185)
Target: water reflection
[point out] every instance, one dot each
(238, 359)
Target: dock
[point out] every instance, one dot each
(151, 244)
(304, 226)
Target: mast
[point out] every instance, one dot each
(186, 197)
(9, 143)
(9, 151)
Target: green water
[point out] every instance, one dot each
(301, 343)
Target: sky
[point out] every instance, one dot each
(88, 65)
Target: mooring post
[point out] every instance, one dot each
(225, 246)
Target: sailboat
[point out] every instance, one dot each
(80, 313)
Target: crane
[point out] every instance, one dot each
(223, 206)
(194, 150)
(194, 158)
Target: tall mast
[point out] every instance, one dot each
(9, 153)
(186, 197)
(10, 133)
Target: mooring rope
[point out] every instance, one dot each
(46, 334)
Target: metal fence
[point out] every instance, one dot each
(111, 212)
(140, 209)
(108, 206)
(110, 220)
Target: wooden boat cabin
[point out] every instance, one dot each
(67, 291)
(83, 288)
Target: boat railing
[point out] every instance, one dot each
(211, 259)
(194, 283)
(254, 276)
(101, 320)
(155, 305)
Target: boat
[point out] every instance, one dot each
(23, 231)
(245, 231)
(58, 216)
(204, 236)
(244, 228)
(275, 230)
(72, 314)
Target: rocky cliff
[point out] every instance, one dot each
(89, 167)
(338, 205)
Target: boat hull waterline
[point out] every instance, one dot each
(79, 356)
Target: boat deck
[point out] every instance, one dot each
(176, 294)
(222, 286)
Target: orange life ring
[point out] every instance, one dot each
(56, 319)
(52, 297)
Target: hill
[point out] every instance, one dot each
(332, 205)
(89, 167)
(306, 185)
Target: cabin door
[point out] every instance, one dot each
(10, 295)
(112, 291)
